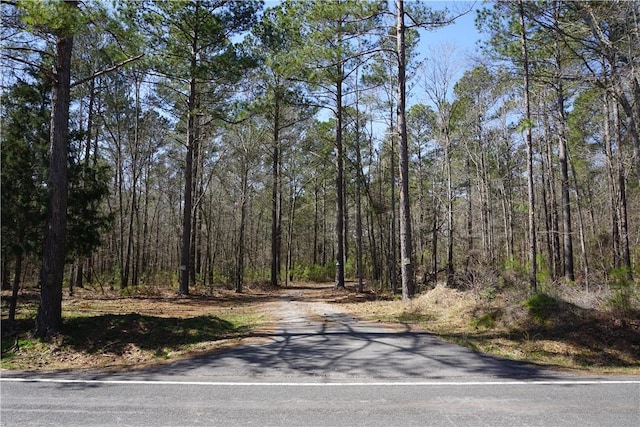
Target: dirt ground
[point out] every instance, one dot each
(107, 331)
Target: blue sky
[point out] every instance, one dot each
(462, 33)
(459, 41)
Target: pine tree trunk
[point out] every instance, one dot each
(549, 206)
(434, 243)
(613, 192)
(49, 318)
(13, 302)
(193, 244)
(340, 256)
(275, 198)
(583, 243)
(450, 226)
(567, 230)
(185, 257)
(359, 179)
(292, 212)
(393, 255)
(470, 242)
(316, 221)
(533, 281)
(6, 273)
(241, 232)
(625, 254)
(406, 251)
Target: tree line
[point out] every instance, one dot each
(215, 143)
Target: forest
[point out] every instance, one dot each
(205, 144)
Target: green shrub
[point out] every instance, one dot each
(541, 307)
(320, 273)
(624, 292)
(487, 320)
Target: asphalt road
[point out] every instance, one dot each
(323, 368)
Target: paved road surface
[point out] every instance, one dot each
(322, 368)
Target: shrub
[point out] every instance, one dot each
(624, 293)
(541, 307)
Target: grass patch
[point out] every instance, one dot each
(109, 331)
(414, 317)
(148, 333)
(539, 328)
(541, 307)
(487, 320)
(123, 340)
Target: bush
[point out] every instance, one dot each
(624, 298)
(541, 307)
(313, 273)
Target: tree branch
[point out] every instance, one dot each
(50, 74)
(436, 23)
(106, 70)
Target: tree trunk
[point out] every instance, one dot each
(145, 258)
(533, 281)
(6, 273)
(625, 255)
(340, 258)
(406, 251)
(376, 268)
(583, 244)
(617, 86)
(132, 211)
(292, 212)
(49, 318)
(13, 303)
(241, 232)
(393, 255)
(79, 274)
(450, 227)
(185, 257)
(422, 206)
(434, 241)
(567, 230)
(549, 206)
(121, 206)
(470, 243)
(487, 204)
(275, 196)
(316, 221)
(613, 192)
(359, 179)
(324, 225)
(195, 197)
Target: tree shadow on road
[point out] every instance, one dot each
(344, 351)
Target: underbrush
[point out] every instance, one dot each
(541, 328)
(562, 326)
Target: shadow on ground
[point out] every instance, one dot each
(335, 351)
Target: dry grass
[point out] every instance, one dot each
(544, 330)
(104, 330)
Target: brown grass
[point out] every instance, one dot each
(105, 330)
(553, 332)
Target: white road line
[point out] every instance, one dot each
(327, 384)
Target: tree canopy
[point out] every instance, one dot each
(212, 143)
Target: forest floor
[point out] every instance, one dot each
(108, 331)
